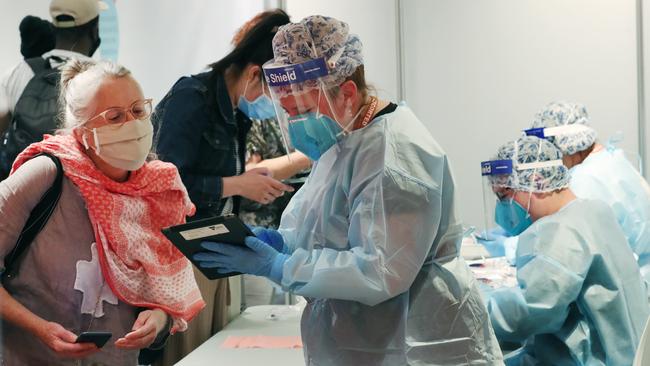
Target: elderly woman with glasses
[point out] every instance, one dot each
(100, 263)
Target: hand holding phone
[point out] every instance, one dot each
(99, 339)
(62, 341)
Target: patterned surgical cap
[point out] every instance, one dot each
(531, 149)
(563, 113)
(319, 36)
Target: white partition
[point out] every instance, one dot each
(11, 13)
(159, 40)
(477, 71)
(374, 22)
(163, 40)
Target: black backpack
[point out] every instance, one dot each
(35, 114)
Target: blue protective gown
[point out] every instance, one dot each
(608, 176)
(581, 299)
(375, 241)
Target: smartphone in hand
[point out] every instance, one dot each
(98, 338)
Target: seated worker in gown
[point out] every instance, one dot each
(581, 298)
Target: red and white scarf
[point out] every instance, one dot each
(137, 261)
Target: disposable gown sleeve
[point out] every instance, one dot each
(393, 221)
(552, 263)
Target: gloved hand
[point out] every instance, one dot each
(493, 241)
(271, 237)
(259, 259)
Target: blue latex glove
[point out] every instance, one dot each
(493, 241)
(272, 238)
(258, 259)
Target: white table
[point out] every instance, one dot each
(267, 320)
(471, 250)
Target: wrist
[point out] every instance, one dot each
(36, 326)
(231, 186)
(277, 268)
(162, 319)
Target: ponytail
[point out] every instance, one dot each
(254, 46)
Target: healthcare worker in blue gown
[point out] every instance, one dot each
(580, 298)
(597, 172)
(604, 173)
(372, 238)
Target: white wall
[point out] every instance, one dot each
(11, 13)
(159, 40)
(374, 22)
(477, 71)
(163, 40)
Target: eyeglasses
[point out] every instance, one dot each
(140, 109)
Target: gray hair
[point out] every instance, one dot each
(79, 82)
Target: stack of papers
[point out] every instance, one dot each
(494, 272)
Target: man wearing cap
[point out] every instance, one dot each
(77, 35)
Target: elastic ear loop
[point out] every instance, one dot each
(516, 171)
(343, 130)
(246, 88)
(516, 159)
(532, 178)
(264, 83)
(85, 141)
(97, 147)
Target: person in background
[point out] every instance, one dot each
(581, 299)
(37, 36)
(101, 262)
(372, 238)
(265, 148)
(599, 172)
(28, 110)
(202, 124)
(603, 173)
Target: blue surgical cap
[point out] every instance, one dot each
(319, 36)
(531, 149)
(563, 113)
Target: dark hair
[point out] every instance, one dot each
(36, 36)
(255, 46)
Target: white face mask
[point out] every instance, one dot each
(124, 146)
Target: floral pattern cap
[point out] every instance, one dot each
(319, 36)
(564, 113)
(531, 149)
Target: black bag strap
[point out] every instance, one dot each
(37, 219)
(38, 64)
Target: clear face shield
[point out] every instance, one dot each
(495, 176)
(312, 115)
(500, 207)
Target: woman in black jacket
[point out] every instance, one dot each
(201, 126)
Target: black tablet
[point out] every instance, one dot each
(223, 229)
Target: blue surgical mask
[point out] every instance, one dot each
(313, 134)
(512, 217)
(260, 109)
